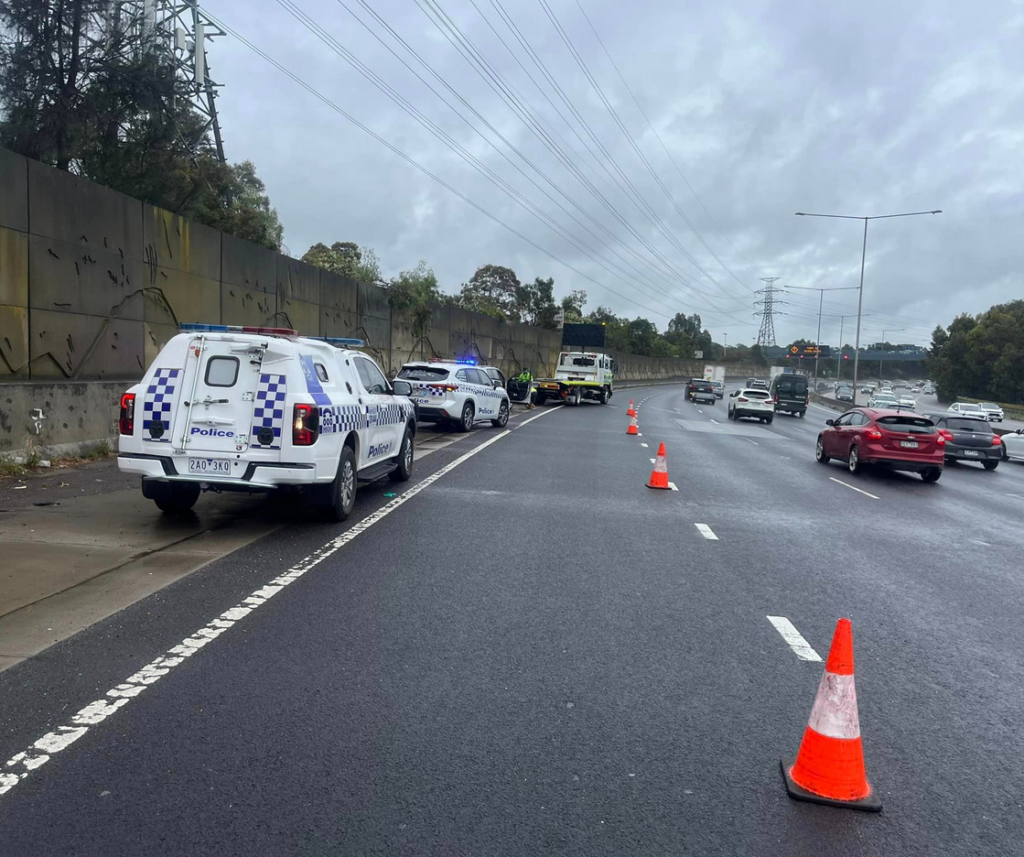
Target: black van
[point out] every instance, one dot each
(790, 394)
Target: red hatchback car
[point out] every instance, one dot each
(897, 440)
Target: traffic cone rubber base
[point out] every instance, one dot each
(871, 803)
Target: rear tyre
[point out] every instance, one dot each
(769, 420)
(853, 462)
(577, 397)
(931, 475)
(502, 419)
(176, 498)
(343, 488)
(466, 421)
(990, 465)
(819, 452)
(603, 398)
(405, 456)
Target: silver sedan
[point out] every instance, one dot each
(1013, 445)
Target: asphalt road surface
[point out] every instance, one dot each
(529, 652)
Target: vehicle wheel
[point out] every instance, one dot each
(175, 498)
(603, 398)
(1006, 455)
(577, 397)
(819, 452)
(803, 414)
(769, 420)
(466, 423)
(990, 465)
(502, 419)
(932, 475)
(343, 488)
(405, 456)
(853, 462)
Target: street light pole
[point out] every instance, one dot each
(817, 338)
(863, 257)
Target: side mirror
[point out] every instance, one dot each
(496, 384)
(830, 422)
(401, 388)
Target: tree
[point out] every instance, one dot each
(572, 306)
(346, 258)
(416, 291)
(492, 290)
(78, 93)
(535, 303)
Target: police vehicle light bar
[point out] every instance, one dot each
(341, 341)
(465, 361)
(233, 328)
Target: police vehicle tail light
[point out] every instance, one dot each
(305, 425)
(448, 388)
(126, 420)
(233, 328)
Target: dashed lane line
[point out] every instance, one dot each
(716, 422)
(19, 766)
(794, 639)
(644, 445)
(707, 532)
(752, 441)
(672, 485)
(854, 488)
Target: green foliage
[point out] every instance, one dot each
(572, 306)
(346, 258)
(492, 290)
(535, 303)
(982, 356)
(78, 94)
(416, 291)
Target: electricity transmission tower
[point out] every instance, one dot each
(768, 302)
(181, 33)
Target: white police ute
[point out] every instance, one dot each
(456, 392)
(256, 409)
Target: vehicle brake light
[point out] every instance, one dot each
(941, 439)
(873, 434)
(741, 399)
(126, 420)
(448, 388)
(996, 440)
(776, 398)
(305, 425)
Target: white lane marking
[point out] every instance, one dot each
(707, 532)
(854, 488)
(672, 485)
(653, 460)
(639, 435)
(1017, 496)
(794, 639)
(699, 411)
(752, 441)
(715, 422)
(644, 445)
(39, 753)
(544, 414)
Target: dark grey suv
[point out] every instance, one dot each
(969, 439)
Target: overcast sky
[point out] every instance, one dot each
(767, 108)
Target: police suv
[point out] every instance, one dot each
(254, 409)
(456, 392)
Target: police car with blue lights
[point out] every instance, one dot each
(456, 392)
(256, 409)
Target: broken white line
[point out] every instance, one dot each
(672, 485)
(854, 488)
(644, 445)
(794, 639)
(707, 532)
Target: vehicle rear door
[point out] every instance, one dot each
(222, 382)
(382, 419)
(973, 437)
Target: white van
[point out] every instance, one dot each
(255, 409)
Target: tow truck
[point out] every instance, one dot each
(579, 375)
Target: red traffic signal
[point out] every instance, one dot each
(846, 357)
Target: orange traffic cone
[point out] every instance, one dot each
(630, 411)
(659, 476)
(632, 427)
(829, 768)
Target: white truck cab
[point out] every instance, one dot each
(256, 409)
(579, 375)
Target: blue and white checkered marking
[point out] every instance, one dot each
(269, 409)
(158, 403)
(337, 419)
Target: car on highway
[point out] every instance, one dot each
(866, 437)
(916, 388)
(789, 393)
(700, 390)
(881, 399)
(969, 439)
(230, 408)
(1013, 446)
(719, 389)
(928, 390)
(757, 384)
(994, 411)
(908, 403)
(751, 402)
(844, 393)
(967, 409)
(867, 388)
(456, 393)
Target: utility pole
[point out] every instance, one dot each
(766, 335)
(817, 337)
(725, 348)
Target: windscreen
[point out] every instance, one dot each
(913, 425)
(979, 426)
(423, 373)
(576, 360)
(755, 394)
